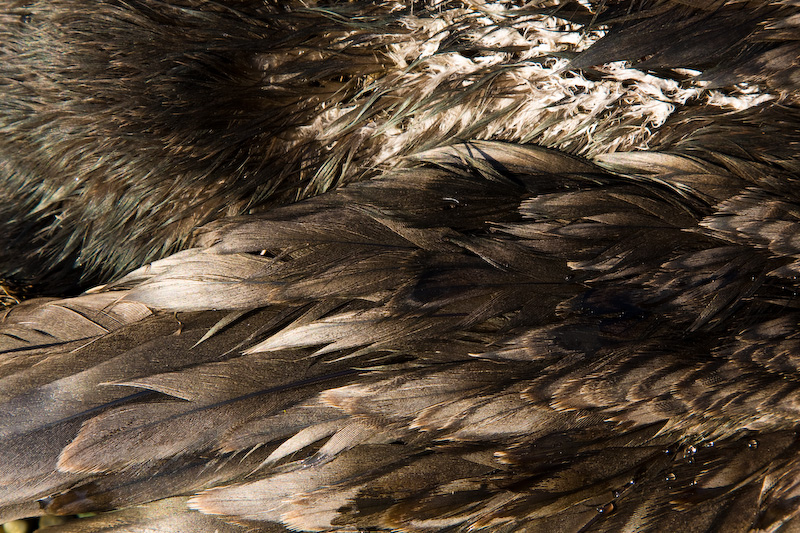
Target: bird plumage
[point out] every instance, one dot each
(530, 300)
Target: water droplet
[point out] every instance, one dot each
(607, 508)
(752, 444)
(670, 477)
(617, 493)
(708, 444)
(26, 18)
(688, 453)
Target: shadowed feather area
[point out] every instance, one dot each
(374, 266)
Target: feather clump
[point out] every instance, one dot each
(527, 310)
(137, 122)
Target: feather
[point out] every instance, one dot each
(452, 267)
(164, 516)
(53, 322)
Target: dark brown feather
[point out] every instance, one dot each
(485, 335)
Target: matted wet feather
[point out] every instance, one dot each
(383, 266)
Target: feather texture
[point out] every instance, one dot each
(529, 299)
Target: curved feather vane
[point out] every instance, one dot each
(551, 284)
